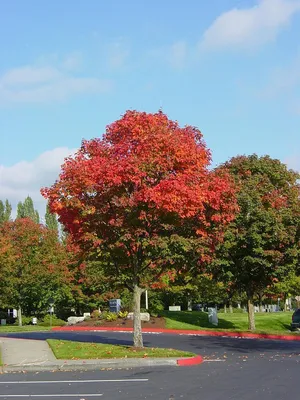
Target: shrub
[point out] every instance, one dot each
(3, 315)
(111, 316)
(154, 314)
(55, 321)
(103, 315)
(25, 320)
(95, 314)
(238, 310)
(122, 314)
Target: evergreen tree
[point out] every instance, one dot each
(5, 211)
(51, 220)
(26, 210)
(36, 217)
(2, 210)
(20, 210)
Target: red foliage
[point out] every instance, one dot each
(147, 175)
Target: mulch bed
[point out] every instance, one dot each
(159, 323)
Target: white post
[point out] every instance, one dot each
(146, 297)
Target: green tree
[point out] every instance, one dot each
(262, 245)
(51, 220)
(194, 288)
(5, 211)
(287, 287)
(26, 210)
(33, 266)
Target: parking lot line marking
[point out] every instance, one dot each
(50, 395)
(74, 381)
(214, 360)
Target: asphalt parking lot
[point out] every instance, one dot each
(235, 369)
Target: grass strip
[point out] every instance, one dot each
(268, 323)
(25, 328)
(69, 350)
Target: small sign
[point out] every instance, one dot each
(115, 305)
(174, 308)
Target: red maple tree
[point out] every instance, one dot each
(143, 199)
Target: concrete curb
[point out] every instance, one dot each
(242, 335)
(186, 362)
(85, 365)
(45, 361)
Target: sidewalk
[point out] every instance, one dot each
(36, 355)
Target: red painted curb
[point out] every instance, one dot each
(190, 361)
(245, 335)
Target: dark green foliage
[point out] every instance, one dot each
(51, 220)
(5, 211)
(26, 210)
(55, 321)
(263, 242)
(262, 245)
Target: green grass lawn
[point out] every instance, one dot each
(25, 328)
(277, 323)
(68, 350)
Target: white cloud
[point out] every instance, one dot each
(28, 75)
(178, 54)
(244, 28)
(28, 177)
(32, 84)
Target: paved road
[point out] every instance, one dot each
(249, 370)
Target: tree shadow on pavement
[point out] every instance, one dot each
(242, 346)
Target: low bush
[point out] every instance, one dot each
(95, 314)
(55, 321)
(108, 316)
(103, 315)
(3, 315)
(122, 314)
(111, 316)
(25, 320)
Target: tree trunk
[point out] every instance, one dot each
(230, 306)
(189, 304)
(260, 302)
(137, 326)
(225, 308)
(20, 316)
(284, 302)
(251, 318)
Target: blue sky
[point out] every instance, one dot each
(69, 68)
